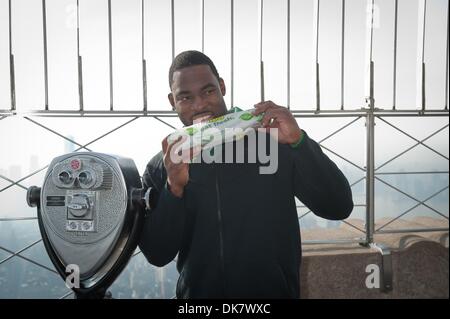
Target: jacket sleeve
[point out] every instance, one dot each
(163, 227)
(319, 183)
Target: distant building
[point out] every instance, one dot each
(69, 147)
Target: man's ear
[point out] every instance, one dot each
(223, 89)
(171, 100)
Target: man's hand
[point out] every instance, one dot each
(177, 165)
(281, 118)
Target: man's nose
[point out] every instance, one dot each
(200, 104)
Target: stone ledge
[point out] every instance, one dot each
(419, 262)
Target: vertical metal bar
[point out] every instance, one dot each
(342, 52)
(369, 97)
(421, 55)
(262, 81)
(232, 51)
(423, 58)
(80, 65)
(144, 64)
(394, 82)
(203, 25)
(370, 176)
(111, 95)
(370, 128)
(9, 26)
(78, 28)
(172, 17)
(44, 30)
(446, 63)
(11, 64)
(261, 62)
(316, 52)
(288, 58)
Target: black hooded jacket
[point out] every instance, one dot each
(236, 231)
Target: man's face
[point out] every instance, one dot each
(197, 95)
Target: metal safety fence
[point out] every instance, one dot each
(368, 112)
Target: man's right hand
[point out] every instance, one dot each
(177, 165)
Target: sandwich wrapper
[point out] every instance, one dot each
(216, 131)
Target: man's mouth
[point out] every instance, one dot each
(202, 117)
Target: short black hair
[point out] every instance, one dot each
(190, 58)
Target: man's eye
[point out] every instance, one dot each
(185, 98)
(209, 91)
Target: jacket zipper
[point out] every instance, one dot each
(219, 217)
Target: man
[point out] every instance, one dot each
(235, 231)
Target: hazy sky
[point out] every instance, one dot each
(141, 139)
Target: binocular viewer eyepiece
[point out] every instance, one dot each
(91, 208)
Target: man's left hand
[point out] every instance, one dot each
(279, 117)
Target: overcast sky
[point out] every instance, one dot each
(19, 136)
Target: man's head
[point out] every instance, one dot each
(197, 90)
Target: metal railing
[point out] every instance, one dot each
(369, 112)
